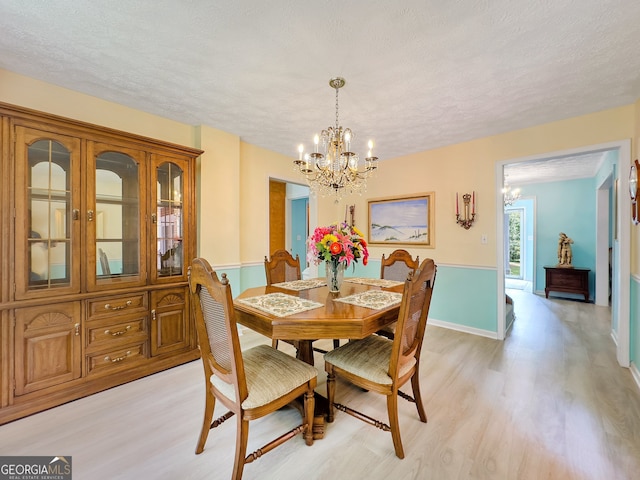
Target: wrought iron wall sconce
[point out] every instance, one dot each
(468, 210)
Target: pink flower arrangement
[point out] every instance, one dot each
(337, 243)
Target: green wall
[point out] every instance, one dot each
(634, 327)
(458, 291)
(568, 207)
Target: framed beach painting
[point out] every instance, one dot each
(407, 220)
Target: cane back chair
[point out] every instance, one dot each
(251, 384)
(282, 267)
(379, 364)
(396, 266)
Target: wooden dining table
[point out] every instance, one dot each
(333, 319)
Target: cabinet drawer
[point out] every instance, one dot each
(110, 332)
(567, 281)
(121, 304)
(116, 359)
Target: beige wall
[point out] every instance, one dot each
(27, 92)
(470, 166)
(257, 166)
(218, 194)
(234, 175)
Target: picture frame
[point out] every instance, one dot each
(404, 220)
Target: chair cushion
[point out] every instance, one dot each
(367, 358)
(270, 374)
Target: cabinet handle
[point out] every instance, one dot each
(153, 314)
(75, 214)
(117, 359)
(118, 307)
(77, 327)
(90, 215)
(118, 333)
(154, 218)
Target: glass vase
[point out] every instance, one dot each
(335, 275)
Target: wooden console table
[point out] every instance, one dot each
(570, 280)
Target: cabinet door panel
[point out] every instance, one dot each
(47, 230)
(116, 239)
(170, 324)
(47, 346)
(169, 230)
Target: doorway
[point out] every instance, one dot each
(519, 245)
(289, 218)
(620, 301)
(513, 248)
(300, 229)
(277, 215)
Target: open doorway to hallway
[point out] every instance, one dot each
(289, 218)
(613, 222)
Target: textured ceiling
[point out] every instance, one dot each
(554, 169)
(420, 73)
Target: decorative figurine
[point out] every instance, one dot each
(564, 251)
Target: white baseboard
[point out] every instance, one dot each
(635, 373)
(463, 328)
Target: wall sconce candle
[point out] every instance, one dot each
(469, 209)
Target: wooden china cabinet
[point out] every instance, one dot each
(98, 228)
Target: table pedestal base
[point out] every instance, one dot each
(304, 352)
(319, 414)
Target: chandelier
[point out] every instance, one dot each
(510, 196)
(332, 168)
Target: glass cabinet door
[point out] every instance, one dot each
(168, 219)
(115, 237)
(47, 213)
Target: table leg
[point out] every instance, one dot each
(304, 352)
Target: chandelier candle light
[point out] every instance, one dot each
(510, 196)
(469, 210)
(336, 169)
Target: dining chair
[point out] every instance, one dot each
(396, 267)
(283, 267)
(252, 383)
(379, 364)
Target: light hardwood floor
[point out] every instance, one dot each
(550, 402)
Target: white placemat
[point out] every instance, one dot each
(298, 285)
(376, 282)
(375, 299)
(279, 304)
